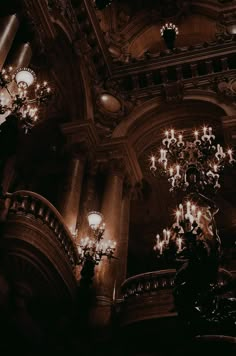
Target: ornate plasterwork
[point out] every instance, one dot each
(226, 88)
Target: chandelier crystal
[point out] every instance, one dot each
(18, 101)
(92, 248)
(191, 165)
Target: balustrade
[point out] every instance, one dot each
(147, 283)
(33, 205)
(150, 295)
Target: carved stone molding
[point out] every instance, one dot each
(122, 155)
(174, 92)
(80, 136)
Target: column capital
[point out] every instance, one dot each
(80, 134)
(121, 156)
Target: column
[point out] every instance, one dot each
(8, 29)
(72, 190)
(106, 271)
(90, 202)
(21, 56)
(122, 245)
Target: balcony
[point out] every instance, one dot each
(147, 296)
(37, 247)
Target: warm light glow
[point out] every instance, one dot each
(94, 219)
(169, 26)
(24, 77)
(191, 165)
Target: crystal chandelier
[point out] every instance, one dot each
(19, 101)
(169, 32)
(191, 165)
(92, 248)
(186, 230)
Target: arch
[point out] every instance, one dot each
(148, 38)
(74, 76)
(63, 25)
(151, 112)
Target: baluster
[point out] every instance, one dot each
(52, 222)
(209, 66)
(139, 288)
(164, 75)
(155, 284)
(179, 73)
(47, 216)
(23, 204)
(147, 286)
(60, 236)
(56, 227)
(41, 210)
(224, 63)
(135, 81)
(13, 206)
(150, 79)
(163, 283)
(194, 69)
(32, 206)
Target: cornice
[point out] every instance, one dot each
(78, 132)
(184, 55)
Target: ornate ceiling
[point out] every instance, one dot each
(112, 69)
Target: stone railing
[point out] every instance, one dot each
(150, 295)
(147, 283)
(147, 296)
(35, 206)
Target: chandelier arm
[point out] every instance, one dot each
(11, 95)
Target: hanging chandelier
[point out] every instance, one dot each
(187, 229)
(169, 33)
(19, 100)
(191, 165)
(92, 248)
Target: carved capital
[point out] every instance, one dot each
(119, 155)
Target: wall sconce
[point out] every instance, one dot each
(92, 248)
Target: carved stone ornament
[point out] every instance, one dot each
(174, 91)
(227, 88)
(111, 105)
(65, 9)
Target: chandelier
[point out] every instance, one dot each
(187, 229)
(19, 101)
(169, 32)
(191, 165)
(92, 248)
